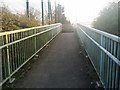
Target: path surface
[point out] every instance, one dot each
(61, 66)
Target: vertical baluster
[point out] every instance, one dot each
(35, 42)
(15, 50)
(28, 48)
(25, 46)
(23, 35)
(21, 44)
(111, 65)
(11, 56)
(4, 60)
(113, 69)
(104, 59)
(106, 46)
(9, 48)
(23, 49)
(101, 56)
(117, 77)
(107, 60)
(1, 74)
(29, 45)
(108, 65)
(39, 41)
(8, 59)
(20, 50)
(13, 53)
(32, 44)
(117, 66)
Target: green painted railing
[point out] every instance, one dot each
(19, 46)
(104, 52)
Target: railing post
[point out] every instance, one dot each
(0, 66)
(8, 61)
(11, 45)
(0, 70)
(35, 42)
(101, 57)
(109, 65)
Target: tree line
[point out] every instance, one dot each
(108, 19)
(11, 21)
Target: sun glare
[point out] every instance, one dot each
(83, 10)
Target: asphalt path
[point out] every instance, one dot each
(60, 66)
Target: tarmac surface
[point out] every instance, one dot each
(60, 66)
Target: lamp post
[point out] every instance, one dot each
(42, 12)
(27, 8)
(48, 11)
(55, 13)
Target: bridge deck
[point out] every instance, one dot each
(60, 66)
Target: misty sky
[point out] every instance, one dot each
(75, 10)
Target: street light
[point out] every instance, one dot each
(42, 12)
(49, 12)
(27, 8)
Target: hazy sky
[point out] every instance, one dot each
(75, 10)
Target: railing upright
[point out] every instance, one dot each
(104, 52)
(19, 46)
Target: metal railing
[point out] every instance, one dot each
(103, 50)
(19, 46)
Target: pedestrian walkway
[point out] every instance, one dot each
(60, 66)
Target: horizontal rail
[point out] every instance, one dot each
(28, 37)
(111, 36)
(104, 52)
(27, 29)
(18, 47)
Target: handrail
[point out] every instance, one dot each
(103, 50)
(111, 36)
(26, 29)
(28, 37)
(19, 46)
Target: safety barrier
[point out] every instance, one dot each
(103, 50)
(19, 46)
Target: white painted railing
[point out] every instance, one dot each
(104, 52)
